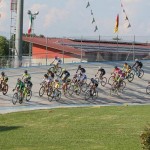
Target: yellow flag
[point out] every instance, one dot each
(117, 24)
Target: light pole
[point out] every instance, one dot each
(32, 17)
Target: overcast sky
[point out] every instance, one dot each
(58, 18)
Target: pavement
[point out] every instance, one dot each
(133, 94)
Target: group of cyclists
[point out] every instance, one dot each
(51, 79)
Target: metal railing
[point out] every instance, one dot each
(82, 49)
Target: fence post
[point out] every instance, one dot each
(63, 48)
(134, 49)
(81, 51)
(46, 49)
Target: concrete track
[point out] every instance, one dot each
(134, 93)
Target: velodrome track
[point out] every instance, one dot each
(134, 93)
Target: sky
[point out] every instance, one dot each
(71, 18)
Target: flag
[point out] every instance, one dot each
(96, 28)
(30, 25)
(117, 24)
(88, 4)
(93, 20)
(129, 25)
(126, 18)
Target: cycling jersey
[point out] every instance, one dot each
(138, 64)
(20, 85)
(4, 78)
(126, 68)
(26, 76)
(95, 83)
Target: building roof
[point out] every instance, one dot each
(87, 46)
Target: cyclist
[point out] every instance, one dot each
(20, 86)
(119, 78)
(26, 76)
(94, 86)
(101, 71)
(58, 61)
(47, 80)
(51, 75)
(55, 87)
(81, 69)
(137, 65)
(27, 79)
(116, 70)
(3, 80)
(126, 68)
(65, 75)
(81, 76)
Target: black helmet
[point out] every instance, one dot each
(25, 71)
(79, 66)
(45, 75)
(92, 79)
(116, 67)
(3, 73)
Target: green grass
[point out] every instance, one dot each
(92, 128)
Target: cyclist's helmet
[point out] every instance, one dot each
(56, 57)
(116, 67)
(45, 75)
(125, 64)
(92, 79)
(18, 79)
(49, 71)
(3, 73)
(136, 60)
(79, 66)
(25, 71)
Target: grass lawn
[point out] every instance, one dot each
(90, 128)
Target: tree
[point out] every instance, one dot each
(4, 46)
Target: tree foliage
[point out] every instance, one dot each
(4, 46)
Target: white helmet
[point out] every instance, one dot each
(136, 59)
(99, 67)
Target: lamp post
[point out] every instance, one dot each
(32, 17)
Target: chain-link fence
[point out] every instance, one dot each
(42, 50)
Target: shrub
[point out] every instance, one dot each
(145, 138)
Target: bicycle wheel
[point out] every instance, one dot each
(130, 77)
(49, 91)
(87, 95)
(5, 89)
(122, 86)
(15, 98)
(77, 89)
(111, 80)
(41, 91)
(50, 98)
(28, 95)
(113, 89)
(58, 71)
(70, 89)
(141, 73)
(148, 89)
(58, 95)
(84, 87)
(103, 81)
